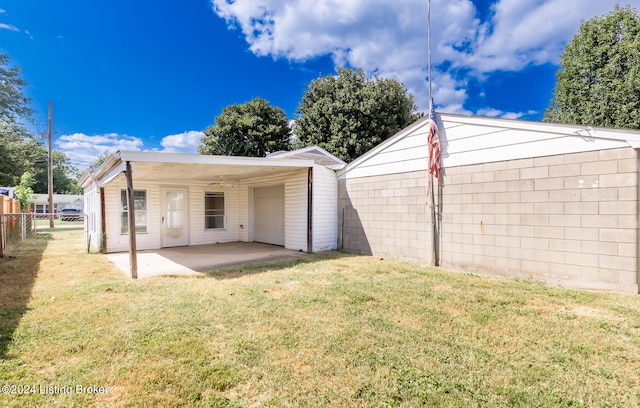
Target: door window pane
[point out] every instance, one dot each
(175, 209)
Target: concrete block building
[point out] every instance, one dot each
(556, 203)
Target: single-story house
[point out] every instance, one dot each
(287, 199)
(60, 202)
(550, 202)
(41, 201)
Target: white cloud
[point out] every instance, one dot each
(531, 32)
(389, 38)
(497, 113)
(8, 27)
(186, 142)
(83, 149)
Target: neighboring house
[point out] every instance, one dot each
(186, 199)
(60, 202)
(550, 202)
(6, 191)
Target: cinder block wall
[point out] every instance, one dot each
(568, 219)
(385, 216)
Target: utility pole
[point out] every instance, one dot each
(50, 169)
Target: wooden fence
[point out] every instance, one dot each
(9, 205)
(10, 226)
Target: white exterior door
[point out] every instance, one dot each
(175, 230)
(268, 215)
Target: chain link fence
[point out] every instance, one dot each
(27, 234)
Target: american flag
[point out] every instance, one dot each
(434, 144)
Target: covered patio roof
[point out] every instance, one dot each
(176, 167)
(168, 167)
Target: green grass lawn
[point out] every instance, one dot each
(327, 330)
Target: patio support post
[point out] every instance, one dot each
(133, 256)
(310, 210)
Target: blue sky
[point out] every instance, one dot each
(151, 75)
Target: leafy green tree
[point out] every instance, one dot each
(598, 83)
(16, 142)
(24, 193)
(100, 159)
(348, 114)
(19, 150)
(252, 129)
(65, 176)
(13, 104)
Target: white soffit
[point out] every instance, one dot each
(167, 167)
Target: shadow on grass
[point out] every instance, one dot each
(252, 268)
(18, 273)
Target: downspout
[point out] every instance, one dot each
(310, 210)
(133, 256)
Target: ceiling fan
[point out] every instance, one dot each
(221, 183)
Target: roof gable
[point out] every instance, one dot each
(315, 153)
(470, 140)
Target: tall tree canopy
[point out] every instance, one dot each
(598, 83)
(65, 175)
(13, 104)
(17, 144)
(348, 114)
(20, 151)
(251, 129)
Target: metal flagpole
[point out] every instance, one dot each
(429, 47)
(434, 229)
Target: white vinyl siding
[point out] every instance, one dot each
(325, 214)
(118, 242)
(198, 233)
(93, 224)
(295, 211)
(471, 141)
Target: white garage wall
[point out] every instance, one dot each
(325, 212)
(295, 206)
(93, 225)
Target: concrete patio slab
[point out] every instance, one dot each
(193, 260)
